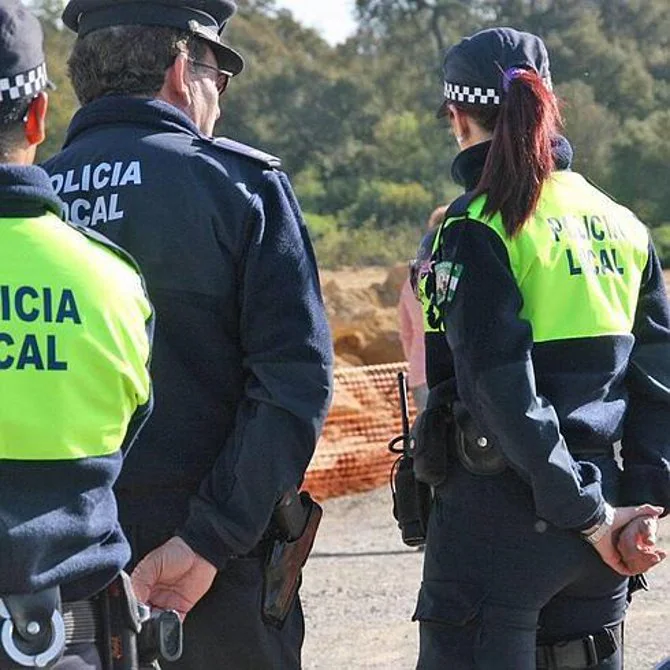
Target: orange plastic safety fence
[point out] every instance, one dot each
(352, 454)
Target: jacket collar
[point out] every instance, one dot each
(139, 111)
(25, 190)
(467, 167)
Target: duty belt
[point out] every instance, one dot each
(586, 652)
(35, 628)
(82, 622)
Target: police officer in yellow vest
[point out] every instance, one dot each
(75, 327)
(548, 342)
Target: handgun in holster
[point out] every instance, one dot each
(294, 524)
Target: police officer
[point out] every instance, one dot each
(242, 358)
(74, 347)
(545, 305)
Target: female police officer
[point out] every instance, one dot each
(558, 338)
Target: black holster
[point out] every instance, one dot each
(433, 436)
(411, 502)
(293, 530)
(446, 430)
(477, 451)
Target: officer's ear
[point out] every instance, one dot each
(460, 125)
(34, 126)
(175, 86)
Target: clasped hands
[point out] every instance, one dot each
(629, 547)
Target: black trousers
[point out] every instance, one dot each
(497, 580)
(225, 629)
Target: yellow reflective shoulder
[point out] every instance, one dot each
(73, 343)
(582, 253)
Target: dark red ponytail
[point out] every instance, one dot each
(520, 159)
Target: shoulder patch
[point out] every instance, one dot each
(245, 150)
(447, 276)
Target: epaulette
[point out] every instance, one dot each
(245, 150)
(460, 206)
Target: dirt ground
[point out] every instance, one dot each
(360, 587)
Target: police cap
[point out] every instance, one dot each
(22, 70)
(475, 69)
(204, 18)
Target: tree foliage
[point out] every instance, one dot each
(355, 124)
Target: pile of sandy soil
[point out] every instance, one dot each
(362, 308)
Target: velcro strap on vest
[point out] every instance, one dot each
(586, 652)
(82, 622)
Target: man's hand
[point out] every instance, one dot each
(636, 544)
(173, 576)
(607, 546)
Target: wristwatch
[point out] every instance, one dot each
(595, 533)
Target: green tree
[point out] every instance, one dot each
(62, 101)
(591, 127)
(355, 124)
(641, 171)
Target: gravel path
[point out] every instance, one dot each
(360, 587)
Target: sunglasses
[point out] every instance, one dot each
(222, 76)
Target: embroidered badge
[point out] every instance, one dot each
(456, 273)
(442, 273)
(447, 276)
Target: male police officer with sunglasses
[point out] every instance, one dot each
(75, 328)
(242, 362)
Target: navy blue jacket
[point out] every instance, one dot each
(242, 356)
(72, 401)
(538, 397)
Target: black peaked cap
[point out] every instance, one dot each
(473, 70)
(204, 18)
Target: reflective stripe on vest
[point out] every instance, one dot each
(581, 253)
(73, 344)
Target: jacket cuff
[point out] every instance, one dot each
(207, 546)
(592, 520)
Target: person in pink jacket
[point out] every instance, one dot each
(410, 319)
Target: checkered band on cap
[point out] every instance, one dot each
(23, 85)
(475, 95)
